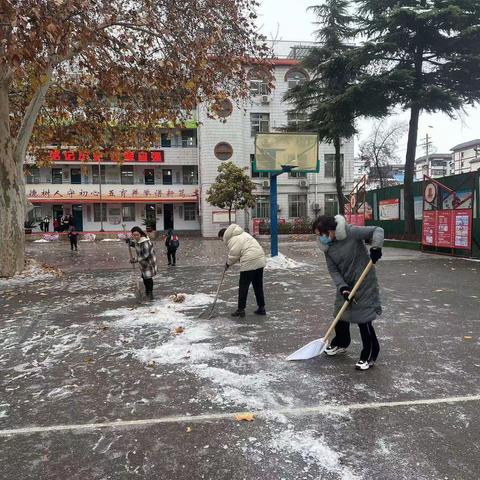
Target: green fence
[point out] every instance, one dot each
(394, 229)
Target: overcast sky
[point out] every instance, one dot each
(289, 20)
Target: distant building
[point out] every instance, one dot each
(466, 157)
(434, 165)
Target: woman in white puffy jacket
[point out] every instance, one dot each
(244, 249)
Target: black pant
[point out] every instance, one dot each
(148, 282)
(73, 242)
(172, 256)
(46, 226)
(371, 347)
(254, 277)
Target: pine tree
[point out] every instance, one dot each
(330, 98)
(425, 56)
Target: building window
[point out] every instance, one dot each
(149, 175)
(257, 174)
(297, 206)
(296, 119)
(57, 175)
(128, 212)
(189, 138)
(294, 174)
(329, 160)
(190, 174)
(33, 175)
(262, 207)
(295, 78)
(260, 123)
(257, 78)
(223, 151)
(99, 212)
(95, 179)
(331, 205)
(189, 212)
(75, 176)
(126, 174)
(165, 140)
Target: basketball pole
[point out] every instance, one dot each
(274, 214)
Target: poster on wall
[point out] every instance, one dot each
(389, 209)
(429, 231)
(462, 226)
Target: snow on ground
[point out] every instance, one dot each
(42, 240)
(33, 272)
(281, 262)
(110, 240)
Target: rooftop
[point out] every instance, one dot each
(466, 145)
(434, 156)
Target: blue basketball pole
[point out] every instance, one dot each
(273, 215)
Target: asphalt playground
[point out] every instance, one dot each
(94, 386)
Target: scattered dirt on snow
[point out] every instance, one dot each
(34, 270)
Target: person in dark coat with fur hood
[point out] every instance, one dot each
(145, 257)
(347, 256)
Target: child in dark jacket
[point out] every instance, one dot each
(73, 236)
(172, 243)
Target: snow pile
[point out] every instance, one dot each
(51, 237)
(42, 240)
(281, 262)
(34, 270)
(110, 240)
(89, 237)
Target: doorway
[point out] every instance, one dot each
(151, 216)
(168, 216)
(77, 212)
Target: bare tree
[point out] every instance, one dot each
(380, 149)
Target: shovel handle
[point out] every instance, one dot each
(347, 302)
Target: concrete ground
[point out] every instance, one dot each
(95, 387)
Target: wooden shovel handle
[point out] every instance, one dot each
(347, 302)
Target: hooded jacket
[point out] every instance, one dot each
(243, 248)
(146, 257)
(346, 259)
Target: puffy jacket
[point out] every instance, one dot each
(243, 248)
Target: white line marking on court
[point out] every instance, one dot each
(318, 410)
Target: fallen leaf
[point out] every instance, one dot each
(179, 330)
(89, 359)
(189, 429)
(467, 337)
(247, 417)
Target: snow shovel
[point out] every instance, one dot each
(208, 313)
(316, 347)
(137, 283)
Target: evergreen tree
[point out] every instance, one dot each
(232, 190)
(425, 55)
(330, 98)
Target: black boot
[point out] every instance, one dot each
(150, 296)
(239, 313)
(260, 311)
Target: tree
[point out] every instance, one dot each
(232, 190)
(425, 54)
(105, 74)
(330, 98)
(379, 150)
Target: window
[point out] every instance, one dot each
(126, 174)
(262, 207)
(295, 78)
(190, 175)
(149, 174)
(95, 179)
(167, 177)
(296, 119)
(189, 212)
(75, 176)
(33, 175)
(166, 140)
(329, 160)
(331, 205)
(57, 175)
(297, 206)
(257, 174)
(258, 87)
(260, 123)
(189, 138)
(223, 151)
(294, 174)
(128, 212)
(99, 209)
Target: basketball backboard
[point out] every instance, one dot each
(299, 151)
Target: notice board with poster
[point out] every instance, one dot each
(447, 216)
(389, 209)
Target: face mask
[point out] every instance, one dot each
(325, 239)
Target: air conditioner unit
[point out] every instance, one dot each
(265, 99)
(266, 184)
(303, 184)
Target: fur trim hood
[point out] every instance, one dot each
(340, 232)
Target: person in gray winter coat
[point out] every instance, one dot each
(347, 256)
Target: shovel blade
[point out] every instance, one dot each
(310, 350)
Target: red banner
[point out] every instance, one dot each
(127, 156)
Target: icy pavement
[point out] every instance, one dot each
(96, 387)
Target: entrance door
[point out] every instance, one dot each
(77, 212)
(167, 177)
(151, 215)
(168, 216)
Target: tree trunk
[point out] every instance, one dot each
(12, 197)
(338, 176)
(409, 202)
(230, 216)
